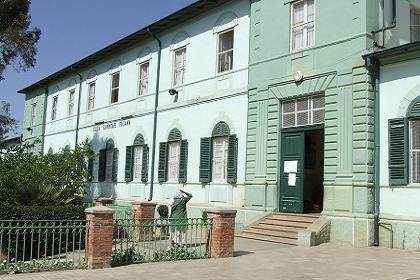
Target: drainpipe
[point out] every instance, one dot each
(155, 113)
(76, 140)
(373, 67)
(44, 117)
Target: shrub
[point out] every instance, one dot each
(163, 211)
(58, 213)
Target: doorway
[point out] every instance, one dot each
(302, 169)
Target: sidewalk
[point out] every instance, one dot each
(260, 260)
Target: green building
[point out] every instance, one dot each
(310, 144)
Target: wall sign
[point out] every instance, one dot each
(111, 125)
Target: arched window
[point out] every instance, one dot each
(108, 162)
(136, 161)
(173, 157)
(404, 147)
(218, 156)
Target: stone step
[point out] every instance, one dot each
(274, 239)
(276, 228)
(272, 233)
(293, 218)
(290, 224)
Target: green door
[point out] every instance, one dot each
(292, 171)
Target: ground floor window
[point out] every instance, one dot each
(220, 157)
(173, 161)
(415, 151)
(108, 165)
(137, 162)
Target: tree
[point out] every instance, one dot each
(7, 123)
(17, 41)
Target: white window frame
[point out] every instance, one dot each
(70, 107)
(173, 163)
(414, 29)
(33, 114)
(219, 53)
(144, 79)
(115, 88)
(54, 108)
(137, 162)
(109, 159)
(217, 161)
(182, 68)
(304, 25)
(91, 96)
(414, 154)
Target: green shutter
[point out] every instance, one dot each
(90, 169)
(163, 162)
(144, 164)
(232, 159)
(115, 165)
(101, 167)
(183, 162)
(129, 153)
(205, 159)
(398, 167)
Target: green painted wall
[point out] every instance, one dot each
(34, 133)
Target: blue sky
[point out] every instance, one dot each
(74, 29)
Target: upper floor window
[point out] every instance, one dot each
(91, 96)
(144, 78)
(33, 114)
(303, 25)
(54, 108)
(71, 102)
(115, 87)
(414, 25)
(179, 66)
(225, 51)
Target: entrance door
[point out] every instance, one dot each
(292, 171)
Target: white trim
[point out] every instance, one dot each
(226, 21)
(218, 53)
(305, 12)
(174, 67)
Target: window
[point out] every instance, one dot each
(91, 96)
(144, 78)
(414, 25)
(179, 66)
(220, 156)
(173, 158)
(303, 111)
(415, 151)
(137, 162)
(115, 87)
(54, 108)
(303, 25)
(225, 52)
(71, 103)
(33, 114)
(108, 163)
(30, 149)
(173, 161)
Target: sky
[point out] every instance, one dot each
(74, 29)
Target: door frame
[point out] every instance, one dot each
(279, 160)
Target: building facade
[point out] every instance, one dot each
(310, 135)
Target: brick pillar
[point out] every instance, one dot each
(143, 214)
(99, 250)
(223, 232)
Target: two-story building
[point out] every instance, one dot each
(164, 108)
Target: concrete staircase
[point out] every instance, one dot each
(280, 227)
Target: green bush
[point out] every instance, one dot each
(60, 213)
(163, 211)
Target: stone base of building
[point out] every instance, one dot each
(399, 233)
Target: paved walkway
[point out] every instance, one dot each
(259, 260)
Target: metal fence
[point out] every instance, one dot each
(27, 246)
(138, 241)
(121, 211)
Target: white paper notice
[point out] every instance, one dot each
(292, 179)
(290, 166)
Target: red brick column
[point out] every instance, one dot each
(143, 214)
(99, 247)
(223, 232)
